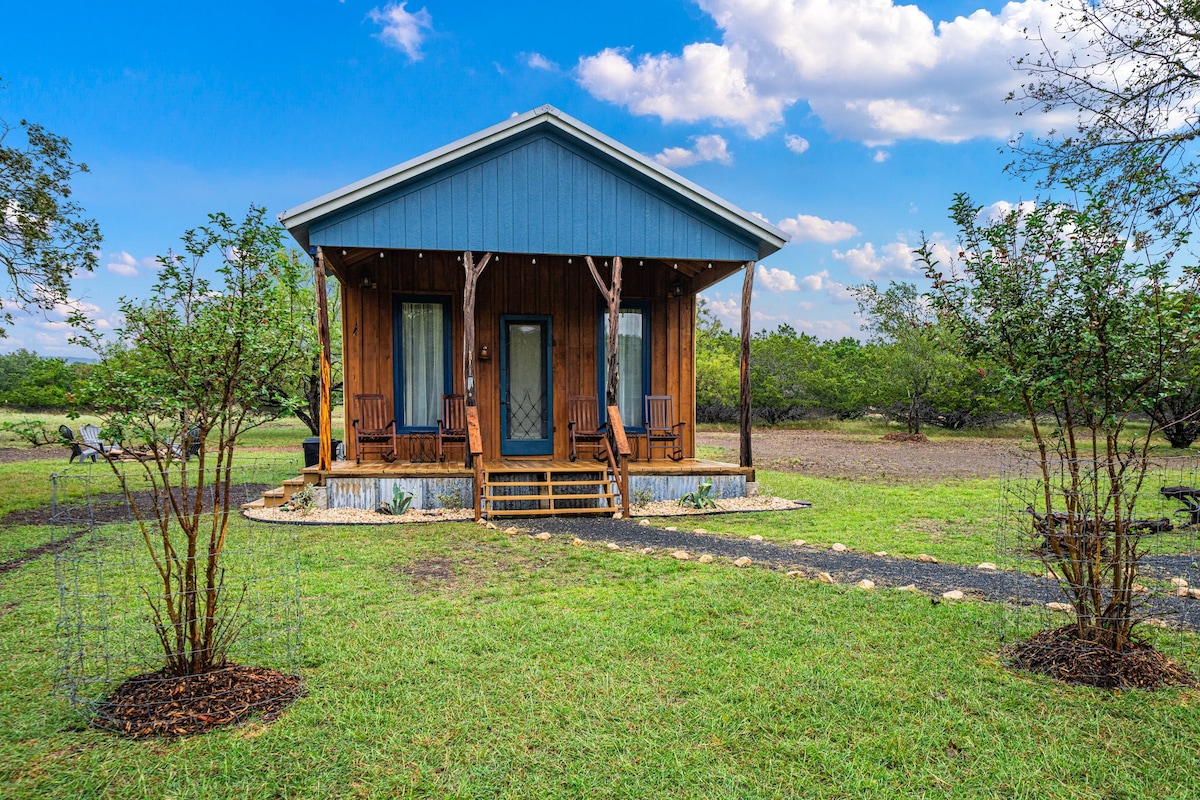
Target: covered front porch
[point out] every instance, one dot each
(524, 486)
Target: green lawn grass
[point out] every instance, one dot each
(545, 670)
(952, 520)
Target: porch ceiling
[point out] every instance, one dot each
(701, 274)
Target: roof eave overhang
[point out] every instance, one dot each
(297, 219)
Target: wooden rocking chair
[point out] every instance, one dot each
(662, 431)
(584, 428)
(370, 430)
(452, 426)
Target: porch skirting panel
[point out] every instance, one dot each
(673, 487)
(368, 493)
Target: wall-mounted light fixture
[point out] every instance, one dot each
(367, 282)
(484, 353)
(677, 288)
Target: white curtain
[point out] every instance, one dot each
(422, 335)
(629, 359)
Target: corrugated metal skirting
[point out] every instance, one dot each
(673, 487)
(367, 493)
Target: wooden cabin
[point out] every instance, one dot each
(492, 268)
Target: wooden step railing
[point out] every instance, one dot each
(620, 445)
(475, 458)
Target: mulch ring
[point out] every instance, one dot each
(1061, 655)
(101, 509)
(157, 704)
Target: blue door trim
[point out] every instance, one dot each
(527, 447)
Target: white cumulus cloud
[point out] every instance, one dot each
(872, 70)
(776, 280)
(539, 61)
(402, 29)
(706, 81)
(123, 264)
(881, 156)
(704, 148)
(797, 144)
(997, 211)
(807, 228)
(894, 260)
(815, 282)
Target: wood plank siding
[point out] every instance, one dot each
(539, 192)
(514, 285)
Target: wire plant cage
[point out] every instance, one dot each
(116, 600)
(1108, 552)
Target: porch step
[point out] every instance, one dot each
(259, 503)
(541, 512)
(290, 487)
(547, 490)
(273, 498)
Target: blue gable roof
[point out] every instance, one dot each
(535, 188)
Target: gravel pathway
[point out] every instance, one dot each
(850, 567)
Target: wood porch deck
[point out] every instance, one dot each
(455, 469)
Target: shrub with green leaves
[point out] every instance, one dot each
(199, 354)
(1074, 312)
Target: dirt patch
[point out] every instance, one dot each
(10, 455)
(54, 547)
(430, 574)
(157, 704)
(112, 507)
(1060, 654)
(842, 455)
(914, 438)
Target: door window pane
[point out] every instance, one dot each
(526, 381)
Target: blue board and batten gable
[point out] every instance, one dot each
(539, 183)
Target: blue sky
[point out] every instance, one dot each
(849, 123)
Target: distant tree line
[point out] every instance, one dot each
(28, 381)
(907, 371)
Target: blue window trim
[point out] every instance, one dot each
(533, 447)
(602, 356)
(398, 301)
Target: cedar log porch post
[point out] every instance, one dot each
(746, 457)
(616, 428)
(473, 271)
(613, 298)
(325, 422)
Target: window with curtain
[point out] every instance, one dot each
(422, 346)
(631, 360)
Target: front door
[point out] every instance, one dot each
(526, 393)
